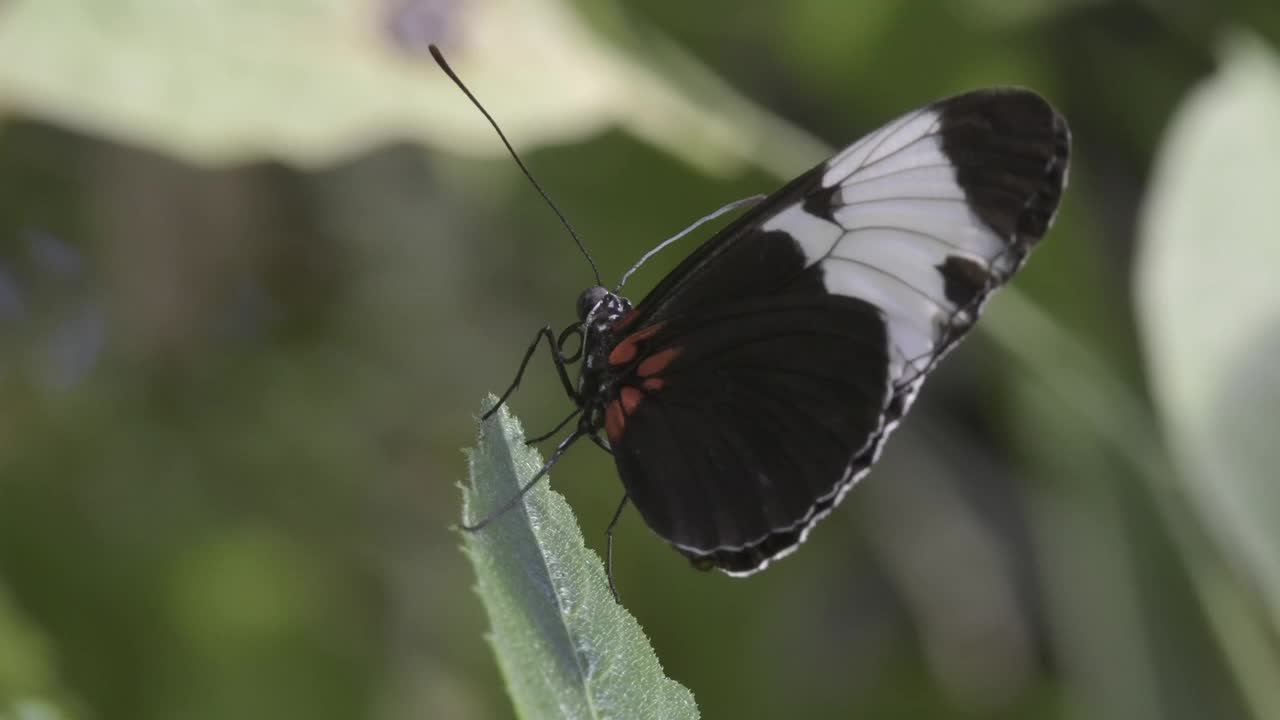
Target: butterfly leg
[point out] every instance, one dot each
(556, 357)
(608, 553)
(554, 430)
(595, 438)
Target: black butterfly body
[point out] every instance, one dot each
(758, 381)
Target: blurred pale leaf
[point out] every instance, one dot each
(1209, 304)
(309, 81)
(566, 649)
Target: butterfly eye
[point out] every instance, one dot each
(589, 299)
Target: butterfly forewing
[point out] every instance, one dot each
(759, 379)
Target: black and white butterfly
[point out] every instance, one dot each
(749, 390)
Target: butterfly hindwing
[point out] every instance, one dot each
(755, 413)
(763, 374)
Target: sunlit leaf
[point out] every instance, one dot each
(309, 81)
(566, 649)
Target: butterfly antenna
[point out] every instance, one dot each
(444, 65)
(727, 208)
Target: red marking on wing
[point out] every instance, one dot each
(614, 422)
(653, 383)
(625, 351)
(625, 320)
(657, 362)
(630, 398)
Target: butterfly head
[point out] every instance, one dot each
(599, 313)
(589, 299)
(599, 309)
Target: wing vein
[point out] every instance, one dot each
(935, 302)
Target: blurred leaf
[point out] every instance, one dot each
(1003, 14)
(563, 644)
(24, 661)
(1088, 562)
(1084, 385)
(1210, 308)
(309, 81)
(27, 676)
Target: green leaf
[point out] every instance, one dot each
(1209, 305)
(566, 649)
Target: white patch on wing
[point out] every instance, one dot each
(947, 222)
(886, 249)
(925, 152)
(903, 214)
(920, 127)
(882, 143)
(937, 181)
(911, 317)
(815, 236)
(914, 264)
(899, 213)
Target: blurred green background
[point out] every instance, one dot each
(259, 263)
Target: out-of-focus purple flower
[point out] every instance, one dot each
(58, 329)
(53, 256)
(414, 24)
(12, 304)
(73, 347)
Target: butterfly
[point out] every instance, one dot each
(758, 381)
